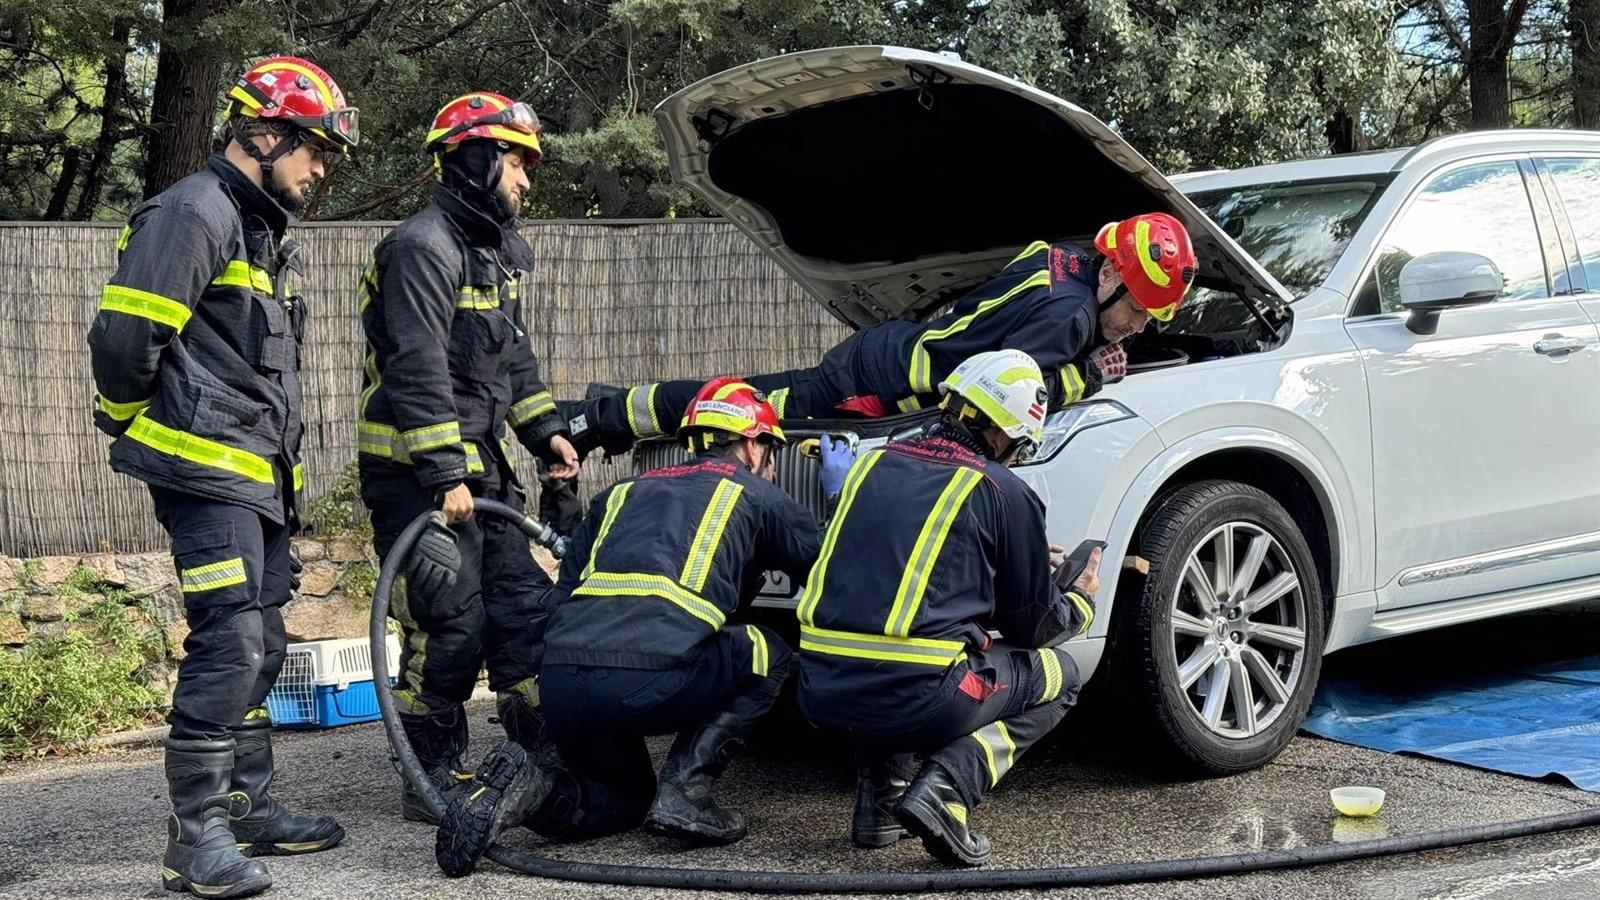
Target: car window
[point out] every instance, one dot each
(1296, 229)
(1481, 208)
(1578, 182)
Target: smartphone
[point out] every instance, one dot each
(1075, 563)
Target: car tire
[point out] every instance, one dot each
(1156, 641)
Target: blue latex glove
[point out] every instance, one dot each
(837, 458)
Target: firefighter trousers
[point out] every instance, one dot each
(493, 617)
(1005, 701)
(599, 717)
(233, 568)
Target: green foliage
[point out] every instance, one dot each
(359, 581)
(88, 680)
(334, 513)
(1196, 84)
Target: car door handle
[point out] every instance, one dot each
(1556, 345)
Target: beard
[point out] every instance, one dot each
(285, 195)
(502, 208)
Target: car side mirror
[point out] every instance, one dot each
(1434, 282)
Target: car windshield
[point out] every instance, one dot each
(1296, 230)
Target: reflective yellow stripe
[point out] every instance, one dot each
(377, 439)
(479, 298)
(887, 648)
(999, 751)
(1052, 675)
(910, 404)
(1072, 384)
(613, 584)
(122, 239)
(1031, 249)
(1085, 609)
(531, 407)
(925, 553)
(259, 712)
(241, 274)
(922, 363)
(145, 305)
(1141, 249)
(758, 650)
(197, 449)
(299, 477)
(807, 609)
(122, 412)
(431, 437)
(619, 495)
(209, 577)
(641, 402)
(703, 549)
(779, 399)
(957, 810)
(368, 287)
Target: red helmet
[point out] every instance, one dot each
(290, 89)
(733, 407)
(484, 114)
(1153, 255)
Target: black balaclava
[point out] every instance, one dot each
(472, 171)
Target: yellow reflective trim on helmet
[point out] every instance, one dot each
(730, 388)
(1141, 249)
(1108, 234)
(1016, 374)
(322, 88)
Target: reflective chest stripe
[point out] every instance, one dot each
(807, 609)
(934, 652)
(925, 553)
(478, 298)
(922, 362)
(240, 273)
(713, 523)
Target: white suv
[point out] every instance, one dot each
(1395, 430)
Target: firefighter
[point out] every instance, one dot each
(639, 645)
(196, 358)
(447, 366)
(935, 543)
(1063, 306)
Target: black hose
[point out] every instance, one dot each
(897, 882)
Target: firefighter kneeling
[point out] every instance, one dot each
(637, 645)
(934, 543)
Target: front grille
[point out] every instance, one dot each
(797, 474)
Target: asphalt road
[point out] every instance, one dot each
(92, 826)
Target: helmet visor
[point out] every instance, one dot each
(342, 126)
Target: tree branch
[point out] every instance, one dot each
(483, 9)
(1451, 31)
(410, 185)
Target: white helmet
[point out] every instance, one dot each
(1006, 386)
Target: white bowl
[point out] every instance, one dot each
(1357, 801)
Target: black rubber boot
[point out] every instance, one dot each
(507, 785)
(559, 817)
(440, 742)
(933, 810)
(880, 784)
(261, 825)
(201, 857)
(683, 807)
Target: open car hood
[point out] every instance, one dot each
(889, 181)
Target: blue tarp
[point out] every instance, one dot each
(1535, 721)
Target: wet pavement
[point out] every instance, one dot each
(92, 827)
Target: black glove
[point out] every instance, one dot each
(295, 568)
(435, 559)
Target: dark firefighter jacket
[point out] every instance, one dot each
(931, 547)
(447, 361)
(196, 347)
(663, 559)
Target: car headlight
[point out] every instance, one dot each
(1064, 425)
